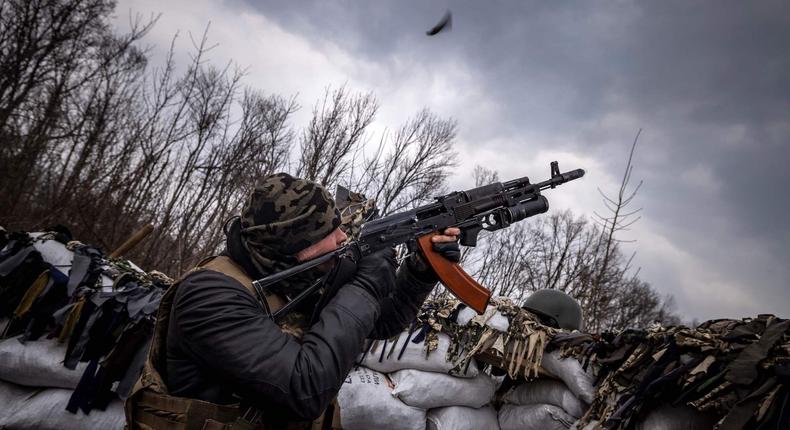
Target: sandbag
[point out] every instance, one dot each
(534, 417)
(366, 402)
(463, 418)
(428, 390)
(37, 363)
(45, 410)
(11, 396)
(54, 253)
(668, 417)
(414, 357)
(546, 391)
(491, 317)
(570, 371)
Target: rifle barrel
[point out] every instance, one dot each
(561, 179)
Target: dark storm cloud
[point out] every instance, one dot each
(709, 82)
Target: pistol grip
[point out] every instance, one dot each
(469, 236)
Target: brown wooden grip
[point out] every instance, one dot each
(454, 277)
(132, 241)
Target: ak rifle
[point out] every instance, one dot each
(490, 207)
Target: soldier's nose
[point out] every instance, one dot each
(341, 236)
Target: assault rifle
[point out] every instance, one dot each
(490, 207)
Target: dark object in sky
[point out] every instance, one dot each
(445, 24)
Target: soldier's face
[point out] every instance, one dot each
(328, 244)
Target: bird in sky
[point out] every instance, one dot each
(446, 23)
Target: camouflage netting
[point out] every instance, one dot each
(74, 328)
(518, 351)
(736, 372)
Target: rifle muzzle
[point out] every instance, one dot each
(573, 174)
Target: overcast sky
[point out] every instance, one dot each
(530, 82)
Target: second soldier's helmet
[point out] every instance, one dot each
(555, 308)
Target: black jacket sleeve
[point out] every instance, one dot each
(219, 324)
(399, 309)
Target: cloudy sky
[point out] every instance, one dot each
(530, 82)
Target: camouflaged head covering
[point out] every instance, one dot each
(355, 209)
(284, 215)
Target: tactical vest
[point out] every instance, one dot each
(151, 407)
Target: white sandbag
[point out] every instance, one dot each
(56, 254)
(499, 322)
(11, 396)
(491, 317)
(37, 363)
(366, 402)
(429, 390)
(53, 252)
(546, 391)
(465, 315)
(414, 357)
(570, 371)
(463, 418)
(668, 417)
(534, 417)
(46, 410)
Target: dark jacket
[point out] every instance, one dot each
(221, 346)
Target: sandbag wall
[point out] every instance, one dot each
(398, 386)
(75, 328)
(419, 380)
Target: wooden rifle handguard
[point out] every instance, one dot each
(454, 277)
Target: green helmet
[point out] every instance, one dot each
(555, 308)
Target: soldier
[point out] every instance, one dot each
(217, 360)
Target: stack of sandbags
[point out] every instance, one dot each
(366, 402)
(402, 386)
(405, 399)
(35, 389)
(72, 324)
(540, 404)
(549, 403)
(452, 402)
(42, 408)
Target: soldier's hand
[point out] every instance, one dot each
(445, 244)
(376, 273)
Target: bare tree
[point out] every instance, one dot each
(335, 133)
(51, 54)
(572, 254)
(619, 219)
(96, 138)
(416, 165)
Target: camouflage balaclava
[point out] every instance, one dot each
(282, 216)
